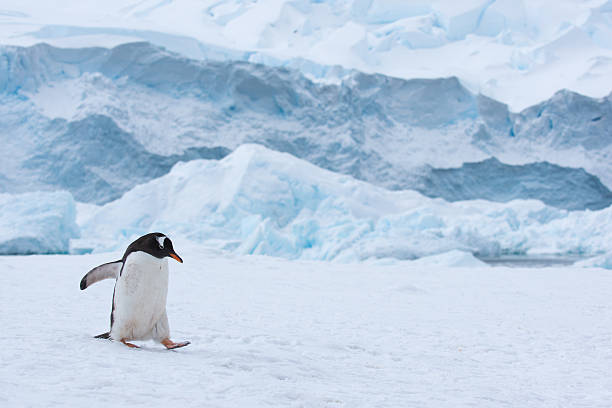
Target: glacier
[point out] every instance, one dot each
(37, 223)
(520, 53)
(98, 121)
(259, 201)
(105, 162)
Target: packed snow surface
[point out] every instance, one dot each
(270, 332)
(258, 201)
(519, 52)
(37, 223)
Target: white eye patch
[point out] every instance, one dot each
(160, 241)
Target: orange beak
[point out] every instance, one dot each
(175, 256)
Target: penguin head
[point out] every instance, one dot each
(155, 244)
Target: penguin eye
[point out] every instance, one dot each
(160, 242)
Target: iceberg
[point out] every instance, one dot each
(600, 261)
(259, 201)
(37, 223)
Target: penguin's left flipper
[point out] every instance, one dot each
(170, 345)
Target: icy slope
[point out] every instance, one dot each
(97, 122)
(518, 52)
(269, 332)
(258, 201)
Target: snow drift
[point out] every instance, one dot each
(258, 201)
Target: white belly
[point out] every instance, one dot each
(140, 297)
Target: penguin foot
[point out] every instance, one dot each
(170, 345)
(129, 344)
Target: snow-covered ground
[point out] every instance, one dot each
(519, 52)
(271, 332)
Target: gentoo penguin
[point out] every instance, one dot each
(141, 287)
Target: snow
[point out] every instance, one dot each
(37, 223)
(258, 201)
(294, 333)
(520, 53)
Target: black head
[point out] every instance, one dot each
(156, 244)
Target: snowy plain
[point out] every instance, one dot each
(271, 332)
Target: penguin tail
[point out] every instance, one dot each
(103, 336)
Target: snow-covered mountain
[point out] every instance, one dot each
(99, 121)
(518, 52)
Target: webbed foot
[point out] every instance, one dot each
(170, 345)
(129, 344)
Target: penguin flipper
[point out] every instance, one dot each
(105, 271)
(103, 336)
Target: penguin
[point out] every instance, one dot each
(141, 288)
